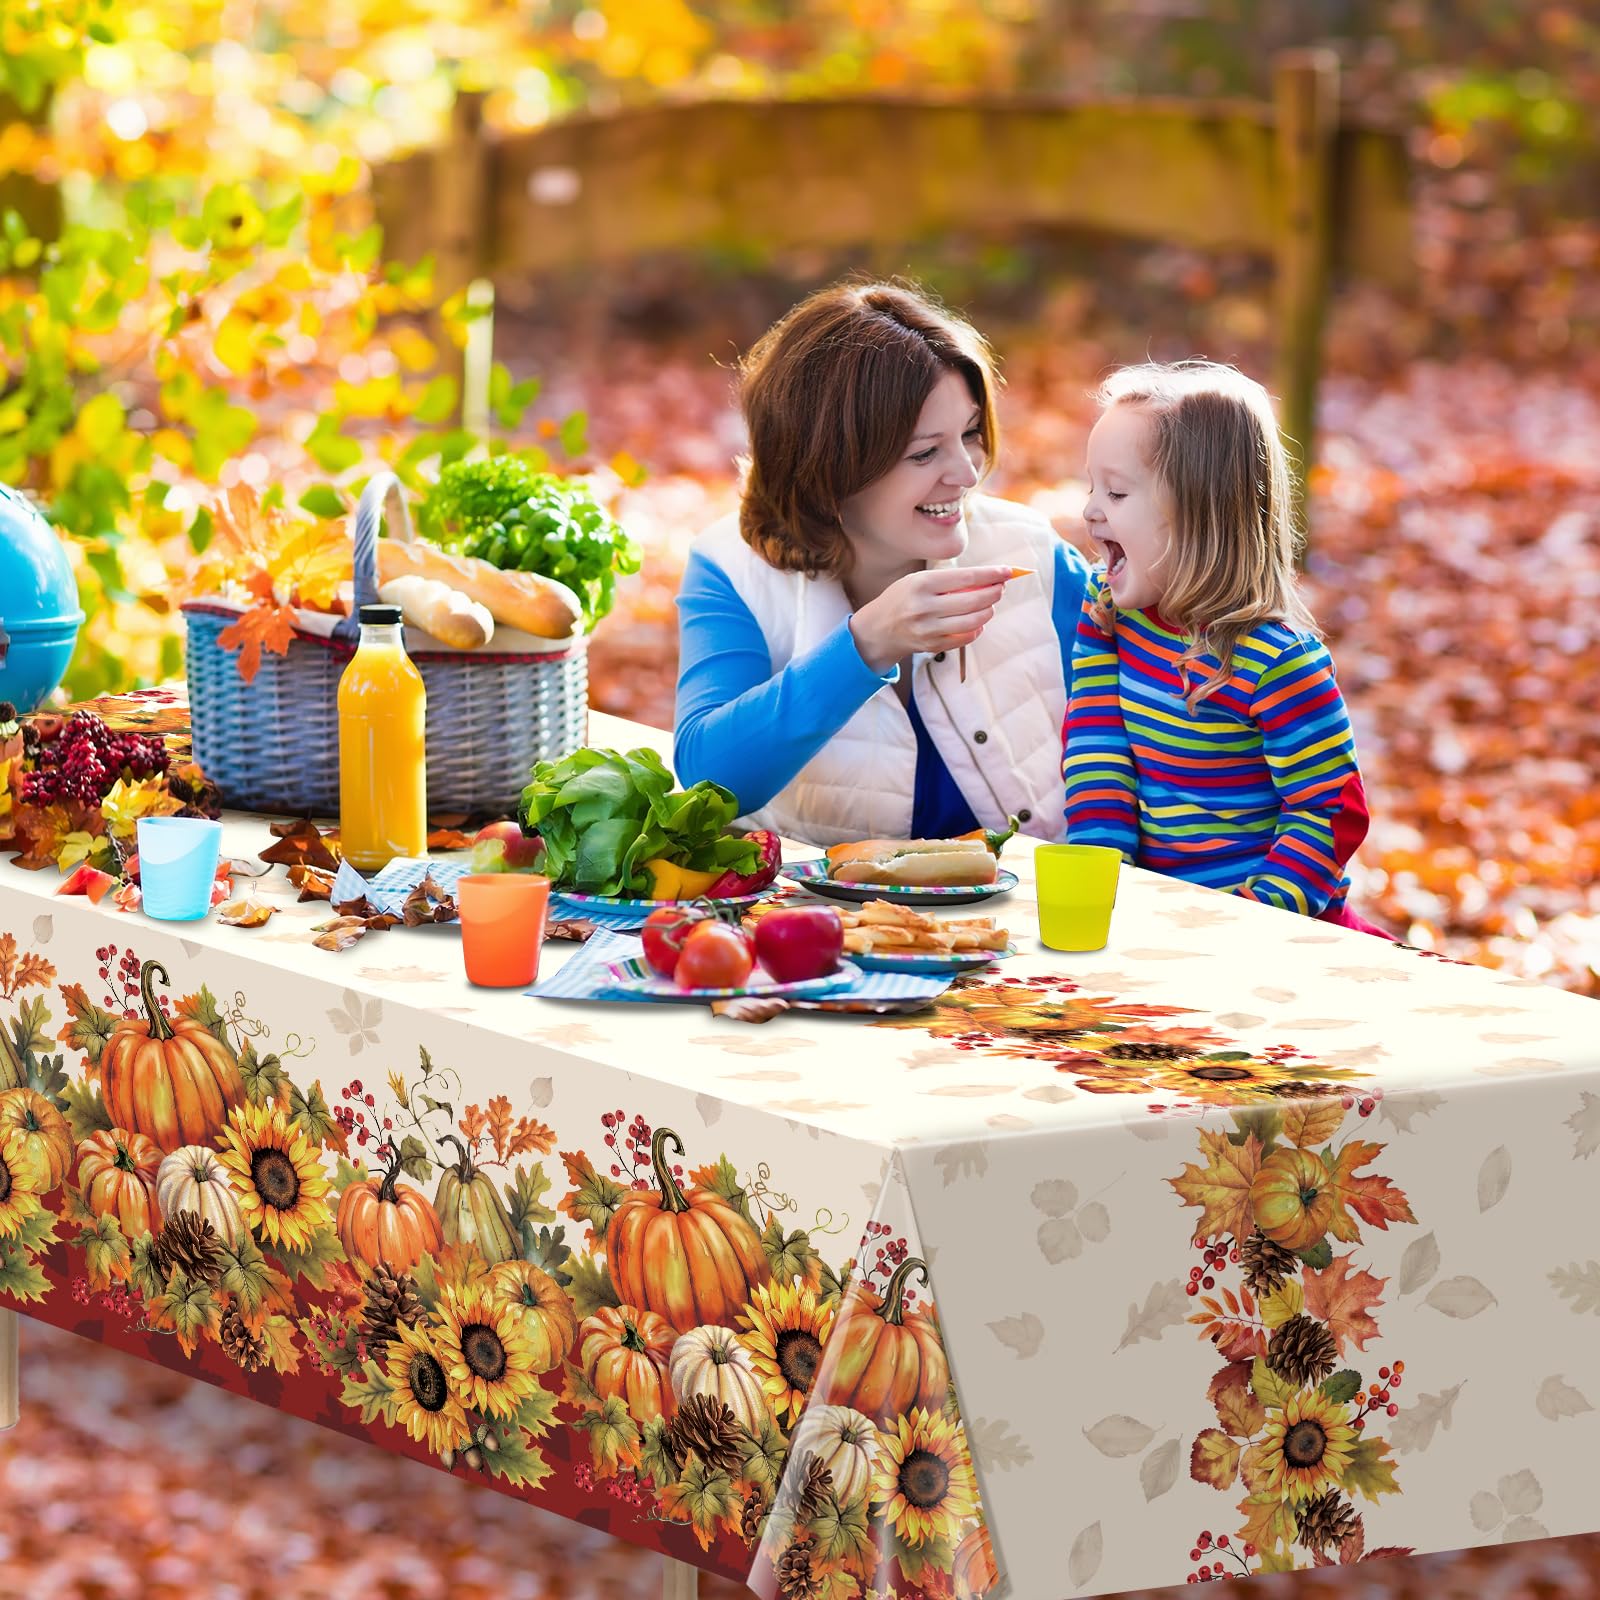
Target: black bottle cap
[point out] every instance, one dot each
(380, 614)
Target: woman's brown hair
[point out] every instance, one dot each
(831, 396)
(1215, 448)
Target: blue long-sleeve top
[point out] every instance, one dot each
(751, 729)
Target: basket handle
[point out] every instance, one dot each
(382, 500)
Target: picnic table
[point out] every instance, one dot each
(1245, 1244)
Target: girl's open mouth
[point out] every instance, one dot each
(1116, 559)
(945, 513)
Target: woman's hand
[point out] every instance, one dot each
(927, 611)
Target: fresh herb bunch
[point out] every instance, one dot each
(502, 511)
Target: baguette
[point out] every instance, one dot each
(521, 600)
(947, 863)
(439, 610)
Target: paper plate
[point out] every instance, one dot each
(610, 902)
(637, 977)
(929, 963)
(813, 877)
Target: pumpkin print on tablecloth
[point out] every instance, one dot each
(710, 1361)
(547, 1315)
(193, 1179)
(1293, 1198)
(45, 1134)
(883, 1360)
(624, 1351)
(175, 1082)
(690, 1258)
(117, 1173)
(471, 1211)
(973, 1571)
(845, 1441)
(382, 1222)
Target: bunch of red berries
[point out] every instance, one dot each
(82, 760)
(890, 1252)
(1212, 1571)
(353, 1119)
(1365, 1105)
(1217, 1258)
(1376, 1398)
(635, 1150)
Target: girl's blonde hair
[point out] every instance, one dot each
(1214, 446)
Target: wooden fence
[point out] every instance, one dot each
(1302, 181)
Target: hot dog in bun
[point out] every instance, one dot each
(945, 863)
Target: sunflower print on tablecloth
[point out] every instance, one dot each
(923, 1478)
(486, 1351)
(787, 1329)
(277, 1173)
(425, 1405)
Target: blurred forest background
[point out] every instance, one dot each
(194, 293)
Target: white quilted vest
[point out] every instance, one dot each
(999, 732)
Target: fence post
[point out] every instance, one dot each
(1305, 94)
(461, 190)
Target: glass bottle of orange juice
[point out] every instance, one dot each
(383, 768)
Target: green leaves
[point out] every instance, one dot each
(591, 1286)
(787, 1255)
(1370, 1471)
(309, 1112)
(370, 1392)
(613, 1436)
(19, 1277)
(1342, 1387)
(415, 1161)
(524, 1197)
(313, 1262)
(264, 1077)
(85, 1110)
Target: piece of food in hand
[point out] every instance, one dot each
(715, 955)
(798, 942)
(669, 881)
(522, 600)
(664, 932)
(448, 615)
(921, 863)
(994, 838)
(504, 847)
(771, 858)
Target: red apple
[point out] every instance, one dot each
(504, 847)
(799, 942)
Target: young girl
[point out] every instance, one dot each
(1206, 737)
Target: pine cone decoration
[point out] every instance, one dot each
(391, 1301)
(243, 1346)
(796, 1580)
(707, 1427)
(1266, 1264)
(814, 1484)
(1326, 1520)
(1302, 1350)
(1147, 1052)
(189, 1242)
(751, 1512)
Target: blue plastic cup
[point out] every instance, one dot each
(177, 866)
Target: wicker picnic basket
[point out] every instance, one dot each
(273, 744)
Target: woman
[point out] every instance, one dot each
(822, 628)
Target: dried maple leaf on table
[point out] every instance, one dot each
(749, 1008)
(245, 913)
(427, 903)
(267, 626)
(571, 928)
(301, 844)
(314, 883)
(449, 839)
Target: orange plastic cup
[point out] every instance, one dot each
(502, 926)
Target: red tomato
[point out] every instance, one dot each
(665, 929)
(715, 956)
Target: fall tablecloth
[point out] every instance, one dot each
(1244, 1244)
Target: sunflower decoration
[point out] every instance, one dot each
(22, 1179)
(486, 1352)
(1140, 1062)
(923, 1478)
(426, 1407)
(1306, 1447)
(787, 1330)
(1036, 1013)
(278, 1174)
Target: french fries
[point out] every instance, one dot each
(879, 926)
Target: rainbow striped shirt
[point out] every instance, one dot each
(1256, 792)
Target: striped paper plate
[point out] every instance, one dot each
(637, 976)
(929, 962)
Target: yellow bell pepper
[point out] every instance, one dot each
(669, 881)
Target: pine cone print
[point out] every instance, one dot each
(249, 1350)
(707, 1427)
(752, 1510)
(814, 1484)
(1147, 1052)
(190, 1243)
(1266, 1264)
(1302, 1350)
(391, 1302)
(796, 1580)
(1326, 1520)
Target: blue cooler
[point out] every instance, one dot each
(39, 611)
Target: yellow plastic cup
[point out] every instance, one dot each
(1077, 889)
(502, 927)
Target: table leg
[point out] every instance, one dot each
(10, 1338)
(678, 1581)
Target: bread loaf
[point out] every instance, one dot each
(522, 600)
(438, 609)
(941, 862)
